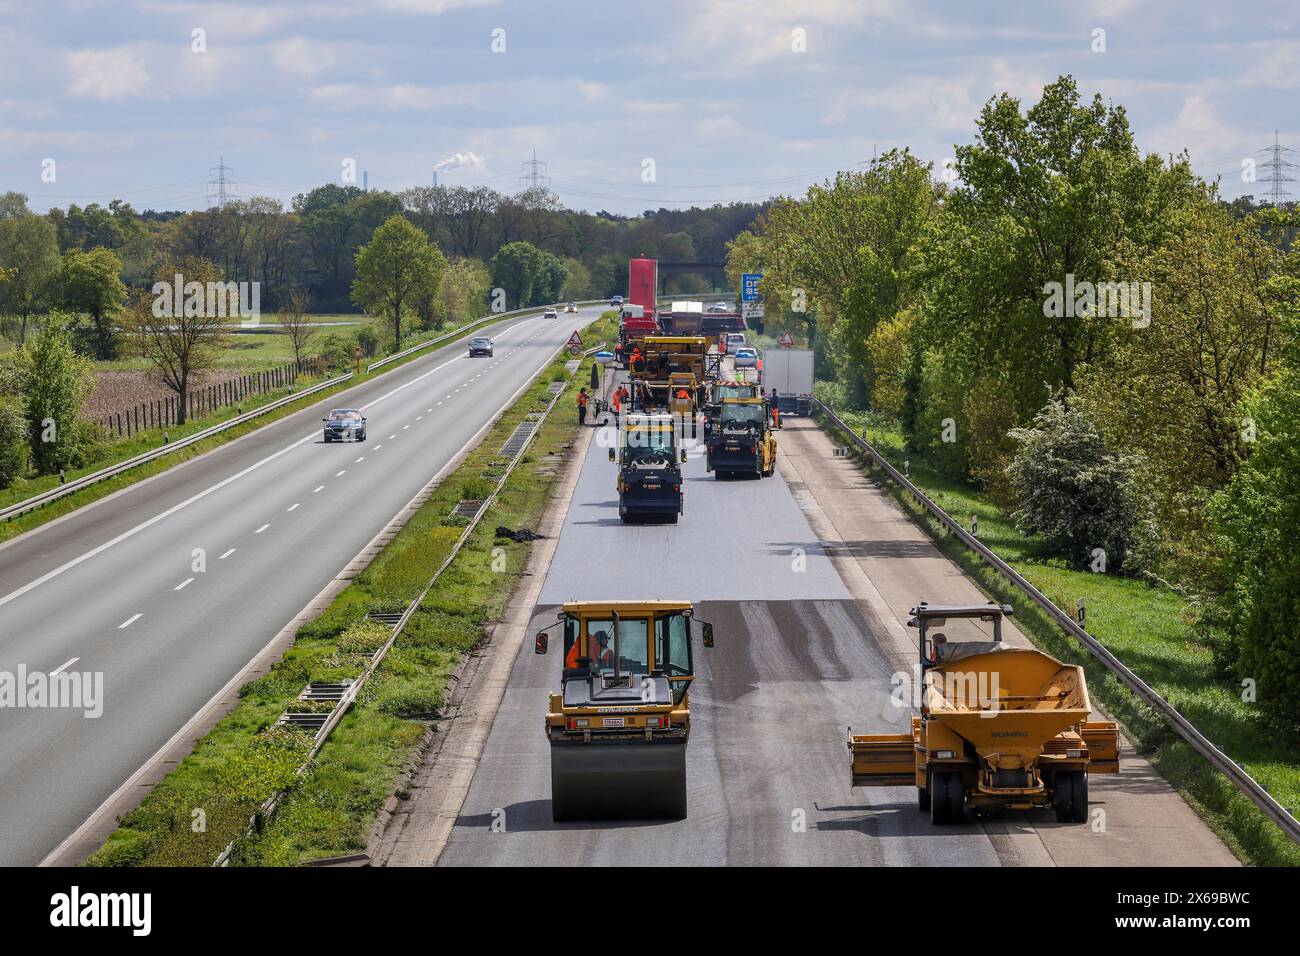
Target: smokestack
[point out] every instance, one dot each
(435, 179)
(365, 181)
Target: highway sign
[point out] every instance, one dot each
(752, 310)
(575, 343)
(749, 286)
(787, 340)
(575, 349)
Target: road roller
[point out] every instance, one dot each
(999, 727)
(618, 727)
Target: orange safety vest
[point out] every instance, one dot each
(582, 399)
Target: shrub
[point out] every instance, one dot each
(1074, 491)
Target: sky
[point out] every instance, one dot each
(630, 105)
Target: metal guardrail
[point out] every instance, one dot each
(269, 806)
(469, 327)
(110, 471)
(1242, 780)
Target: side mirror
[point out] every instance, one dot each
(324, 419)
(683, 456)
(706, 630)
(612, 456)
(542, 642)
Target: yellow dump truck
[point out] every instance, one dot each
(999, 727)
(618, 727)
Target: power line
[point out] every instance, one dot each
(1277, 168)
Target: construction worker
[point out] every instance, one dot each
(583, 398)
(776, 410)
(597, 641)
(616, 402)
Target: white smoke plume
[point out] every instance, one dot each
(457, 160)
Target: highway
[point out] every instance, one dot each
(113, 587)
(805, 648)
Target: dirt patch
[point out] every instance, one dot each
(117, 391)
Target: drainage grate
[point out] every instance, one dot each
(556, 387)
(467, 508)
(311, 723)
(315, 691)
(520, 436)
(385, 617)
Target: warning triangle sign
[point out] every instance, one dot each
(787, 340)
(575, 339)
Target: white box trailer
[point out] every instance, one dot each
(790, 372)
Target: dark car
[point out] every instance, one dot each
(480, 345)
(344, 423)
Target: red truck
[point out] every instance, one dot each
(638, 314)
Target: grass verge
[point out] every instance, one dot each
(1146, 626)
(330, 809)
(121, 450)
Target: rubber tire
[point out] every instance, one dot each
(328, 439)
(939, 798)
(1079, 796)
(956, 799)
(923, 795)
(1063, 796)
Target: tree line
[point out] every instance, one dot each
(1091, 334)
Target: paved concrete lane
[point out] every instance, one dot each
(276, 515)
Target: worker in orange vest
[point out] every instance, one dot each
(776, 410)
(583, 398)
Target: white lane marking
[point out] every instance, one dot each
(377, 447)
(340, 474)
(183, 584)
(263, 528)
(428, 409)
(293, 506)
(419, 418)
(129, 621)
(405, 427)
(313, 436)
(393, 435)
(440, 403)
(67, 663)
(227, 554)
(317, 488)
(359, 460)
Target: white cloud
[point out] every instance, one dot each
(302, 56)
(107, 74)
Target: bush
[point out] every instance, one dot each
(15, 454)
(335, 349)
(1072, 490)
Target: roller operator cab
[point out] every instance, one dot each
(649, 461)
(999, 727)
(618, 727)
(720, 391)
(740, 441)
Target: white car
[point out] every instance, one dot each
(571, 307)
(735, 340)
(745, 357)
(550, 314)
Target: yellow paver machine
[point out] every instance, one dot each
(999, 727)
(619, 725)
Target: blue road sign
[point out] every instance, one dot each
(749, 286)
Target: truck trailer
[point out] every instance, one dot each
(790, 372)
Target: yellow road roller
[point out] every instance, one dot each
(619, 725)
(1000, 727)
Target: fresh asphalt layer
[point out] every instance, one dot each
(169, 587)
(796, 663)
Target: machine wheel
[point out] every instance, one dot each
(1063, 796)
(1079, 795)
(939, 803)
(923, 795)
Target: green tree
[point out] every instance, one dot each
(91, 284)
(15, 449)
(1073, 490)
(464, 292)
(29, 245)
(396, 271)
(54, 381)
(577, 281)
(515, 269)
(1256, 521)
(550, 280)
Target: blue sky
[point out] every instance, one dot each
(713, 92)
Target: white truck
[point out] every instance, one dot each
(790, 372)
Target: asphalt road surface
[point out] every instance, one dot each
(797, 661)
(794, 665)
(112, 588)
